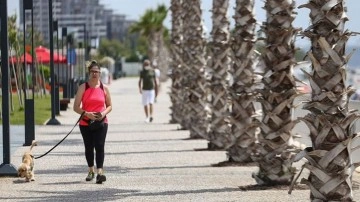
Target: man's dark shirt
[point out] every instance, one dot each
(148, 77)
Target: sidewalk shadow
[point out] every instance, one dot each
(171, 167)
(141, 131)
(108, 194)
(67, 141)
(150, 152)
(80, 169)
(148, 140)
(199, 191)
(20, 181)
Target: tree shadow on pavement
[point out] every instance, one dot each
(170, 167)
(258, 187)
(76, 195)
(106, 194)
(177, 192)
(75, 170)
(234, 163)
(149, 152)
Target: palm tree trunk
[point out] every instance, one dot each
(162, 56)
(243, 89)
(220, 132)
(330, 120)
(153, 45)
(194, 52)
(176, 65)
(186, 76)
(275, 164)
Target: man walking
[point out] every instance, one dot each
(148, 87)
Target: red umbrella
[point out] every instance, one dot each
(43, 56)
(28, 59)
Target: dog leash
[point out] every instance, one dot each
(37, 157)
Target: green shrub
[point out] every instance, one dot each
(132, 58)
(46, 70)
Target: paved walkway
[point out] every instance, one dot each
(143, 162)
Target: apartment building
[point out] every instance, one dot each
(87, 20)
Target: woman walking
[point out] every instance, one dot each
(94, 102)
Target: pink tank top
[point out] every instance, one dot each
(93, 100)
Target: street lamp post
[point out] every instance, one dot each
(57, 76)
(53, 120)
(81, 61)
(66, 85)
(86, 48)
(6, 169)
(70, 63)
(29, 100)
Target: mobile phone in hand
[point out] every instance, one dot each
(98, 114)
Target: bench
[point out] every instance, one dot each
(64, 104)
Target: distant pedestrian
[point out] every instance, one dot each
(104, 75)
(94, 102)
(149, 89)
(157, 75)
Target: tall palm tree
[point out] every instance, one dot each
(275, 165)
(220, 132)
(330, 121)
(176, 63)
(194, 63)
(193, 83)
(151, 26)
(243, 88)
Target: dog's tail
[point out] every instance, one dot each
(34, 143)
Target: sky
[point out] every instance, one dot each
(133, 9)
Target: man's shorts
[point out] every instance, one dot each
(148, 97)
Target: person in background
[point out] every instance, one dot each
(104, 75)
(94, 102)
(157, 75)
(148, 87)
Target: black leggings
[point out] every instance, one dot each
(94, 140)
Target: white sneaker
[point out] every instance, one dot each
(147, 120)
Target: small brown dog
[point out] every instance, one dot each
(26, 169)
